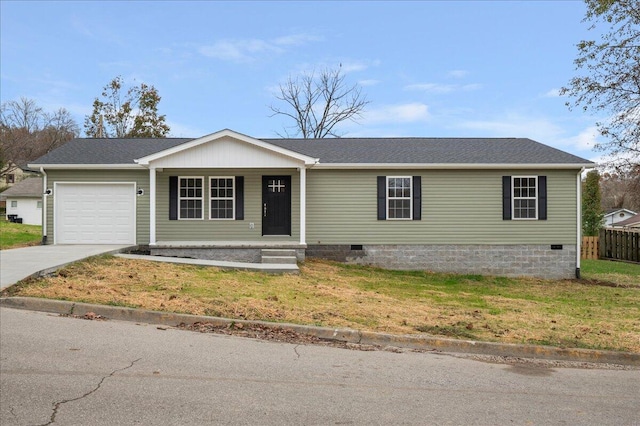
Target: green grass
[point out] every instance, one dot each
(14, 235)
(619, 273)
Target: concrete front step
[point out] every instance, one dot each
(282, 260)
(278, 252)
(279, 256)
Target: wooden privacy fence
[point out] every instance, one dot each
(589, 248)
(619, 245)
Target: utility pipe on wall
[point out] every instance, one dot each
(44, 206)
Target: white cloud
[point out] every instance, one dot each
(514, 125)
(401, 113)
(553, 93)
(541, 129)
(370, 82)
(443, 88)
(238, 50)
(585, 140)
(295, 40)
(248, 50)
(179, 130)
(458, 73)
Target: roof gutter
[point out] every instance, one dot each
(87, 166)
(455, 166)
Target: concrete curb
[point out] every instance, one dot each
(338, 334)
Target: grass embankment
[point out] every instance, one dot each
(562, 313)
(14, 235)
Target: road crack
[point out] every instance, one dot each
(295, 349)
(57, 405)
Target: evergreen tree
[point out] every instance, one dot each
(592, 214)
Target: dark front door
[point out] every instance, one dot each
(276, 205)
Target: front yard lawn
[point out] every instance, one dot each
(13, 235)
(565, 313)
(609, 271)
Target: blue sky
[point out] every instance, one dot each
(465, 69)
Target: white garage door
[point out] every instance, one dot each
(90, 213)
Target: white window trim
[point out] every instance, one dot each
(233, 198)
(14, 204)
(513, 198)
(204, 189)
(400, 198)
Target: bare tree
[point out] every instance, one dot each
(318, 103)
(133, 114)
(27, 132)
(621, 189)
(610, 76)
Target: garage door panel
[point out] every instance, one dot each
(95, 213)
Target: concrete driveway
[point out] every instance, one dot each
(18, 264)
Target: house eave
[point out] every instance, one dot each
(88, 166)
(454, 166)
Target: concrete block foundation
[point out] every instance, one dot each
(528, 260)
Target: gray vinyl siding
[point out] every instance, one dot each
(225, 230)
(458, 207)
(140, 177)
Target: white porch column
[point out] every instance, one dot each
(152, 206)
(303, 205)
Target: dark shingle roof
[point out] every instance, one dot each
(30, 187)
(338, 150)
(107, 151)
(429, 150)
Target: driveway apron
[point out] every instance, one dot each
(18, 264)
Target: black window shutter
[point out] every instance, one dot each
(173, 197)
(382, 198)
(506, 197)
(417, 197)
(542, 198)
(239, 197)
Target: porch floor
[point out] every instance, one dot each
(271, 268)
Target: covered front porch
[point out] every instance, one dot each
(228, 197)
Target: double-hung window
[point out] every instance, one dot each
(399, 197)
(525, 197)
(222, 198)
(191, 197)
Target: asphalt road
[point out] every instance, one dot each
(67, 371)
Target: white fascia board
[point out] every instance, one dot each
(444, 166)
(87, 166)
(226, 133)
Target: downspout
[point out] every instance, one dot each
(578, 221)
(44, 206)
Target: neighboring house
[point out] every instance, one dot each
(503, 206)
(632, 223)
(613, 216)
(14, 175)
(24, 201)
